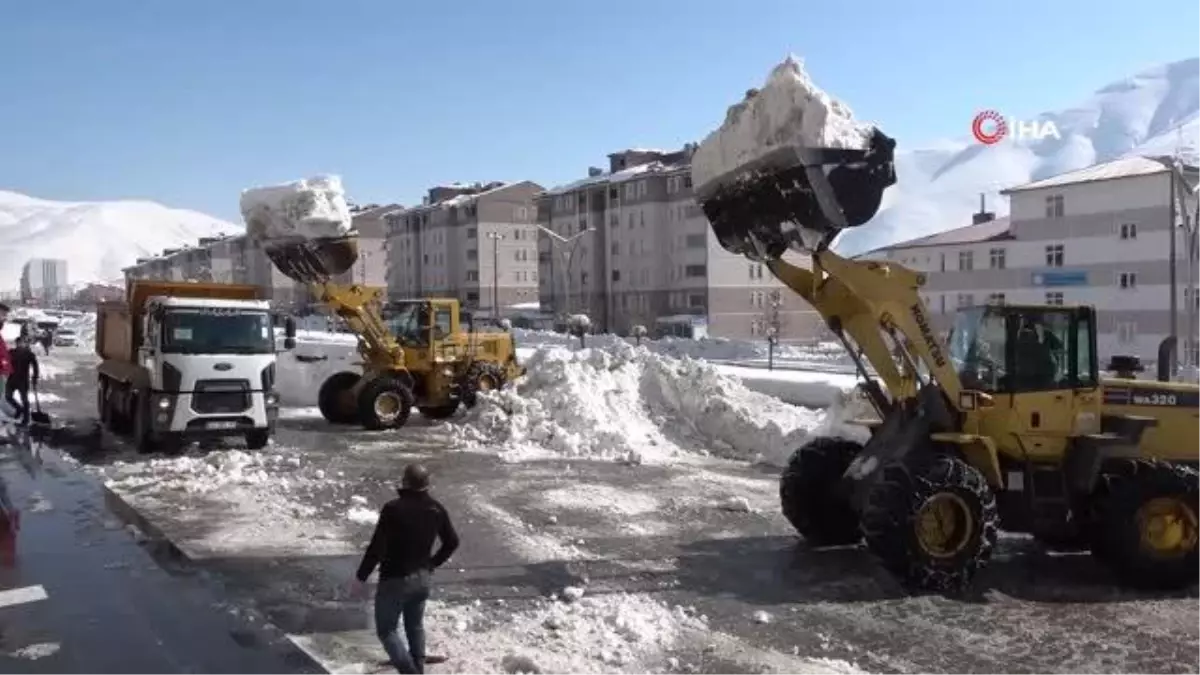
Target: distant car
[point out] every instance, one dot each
(66, 337)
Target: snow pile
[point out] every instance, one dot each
(789, 110)
(607, 632)
(306, 209)
(96, 239)
(710, 348)
(632, 405)
(204, 473)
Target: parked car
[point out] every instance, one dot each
(65, 337)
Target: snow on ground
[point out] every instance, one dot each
(632, 405)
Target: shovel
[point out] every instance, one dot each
(38, 416)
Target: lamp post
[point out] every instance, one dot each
(495, 237)
(568, 257)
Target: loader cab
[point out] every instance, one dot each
(1037, 371)
(422, 323)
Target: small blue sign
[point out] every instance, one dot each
(1058, 278)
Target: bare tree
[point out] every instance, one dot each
(773, 322)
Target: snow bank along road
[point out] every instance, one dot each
(647, 546)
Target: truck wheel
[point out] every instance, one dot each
(439, 412)
(1146, 525)
(334, 399)
(143, 439)
(258, 439)
(481, 376)
(932, 521)
(384, 403)
(808, 492)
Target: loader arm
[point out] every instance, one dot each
(864, 299)
(356, 305)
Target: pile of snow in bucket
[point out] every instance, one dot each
(630, 404)
(307, 209)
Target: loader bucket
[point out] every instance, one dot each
(797, 197)
(312, 260)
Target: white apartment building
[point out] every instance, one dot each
(1099, 236)
(44, 279)
(474, 242)
(630, 246)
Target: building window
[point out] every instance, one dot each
(1054, 255)
(995, 298)
(641, 188)
(695, 300)
(1129, 230)
(756, 271)
(472, 296)
(616, 275)
(996, 258)
(965, 299)
(687, 181)
(1127, 280)
(471, 233)
(1126, 332)
(966, 260)
(616, 248)
(1054, 206)
(583, 224)
(693, 271)
(614, 220)
(696, 240)
(630, 191)
(472, 275)
(614, 194)
(1054, 298)
(472, 254)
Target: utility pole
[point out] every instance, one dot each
(495, 237)
(568, 257)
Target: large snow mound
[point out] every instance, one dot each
(96, 239)
(307, 209)
(789, 110)
(1154, 112)
(630, 404)
(709, 348)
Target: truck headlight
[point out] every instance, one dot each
(272, 398)
(164, 403)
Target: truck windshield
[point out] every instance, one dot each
(217, 331)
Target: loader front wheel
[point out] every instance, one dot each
(439, 412)
(384, 403)
(481, 376)
(1147, 526)
(932, 521)
(335, 400)
(809, 495)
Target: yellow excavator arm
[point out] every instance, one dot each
(861, 301)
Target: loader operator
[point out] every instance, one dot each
(1037, 369)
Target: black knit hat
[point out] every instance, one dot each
(416, 477)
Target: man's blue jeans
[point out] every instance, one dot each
(403, 597)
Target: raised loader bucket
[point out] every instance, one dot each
(797, 197)
(313, 260)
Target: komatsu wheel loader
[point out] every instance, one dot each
(1006, 424)
(415, 353)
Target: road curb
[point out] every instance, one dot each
(129, 514)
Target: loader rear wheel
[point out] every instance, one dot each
(809, 496)
(335, 400)
(932, 521)
(481, 376)
(384, 403)
(1146, 526)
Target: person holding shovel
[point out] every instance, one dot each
(25, 371)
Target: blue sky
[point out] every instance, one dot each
(188, 103)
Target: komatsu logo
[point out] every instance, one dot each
(935, 350)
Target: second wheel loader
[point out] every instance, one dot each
(1007, 424)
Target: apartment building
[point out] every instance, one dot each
(44, 279)
(1099, 236)
(473, 242)
(630, 246)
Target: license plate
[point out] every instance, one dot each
(222, 425)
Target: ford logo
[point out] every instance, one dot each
(223, 366)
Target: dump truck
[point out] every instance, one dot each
(184, 361)
(1006, 423)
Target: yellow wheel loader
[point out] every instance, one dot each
(1005, 424)
(415, 353)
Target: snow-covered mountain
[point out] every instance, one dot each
(1154, 112)
(96, 239)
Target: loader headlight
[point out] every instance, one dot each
(966, 400)
(448, 372)
(164, 403)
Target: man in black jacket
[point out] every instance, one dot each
(24, 372)
(401, 546)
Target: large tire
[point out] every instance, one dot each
(906, 514)
(480, 376)
(808, 492)
(384, 403)
(258, 439)
(335, 406)
(439, 412)
(143, 438)
(1146, 525)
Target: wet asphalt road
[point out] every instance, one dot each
(85, 596)
(659, 533)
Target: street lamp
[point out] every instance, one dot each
(568, 255)
(496, 237)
